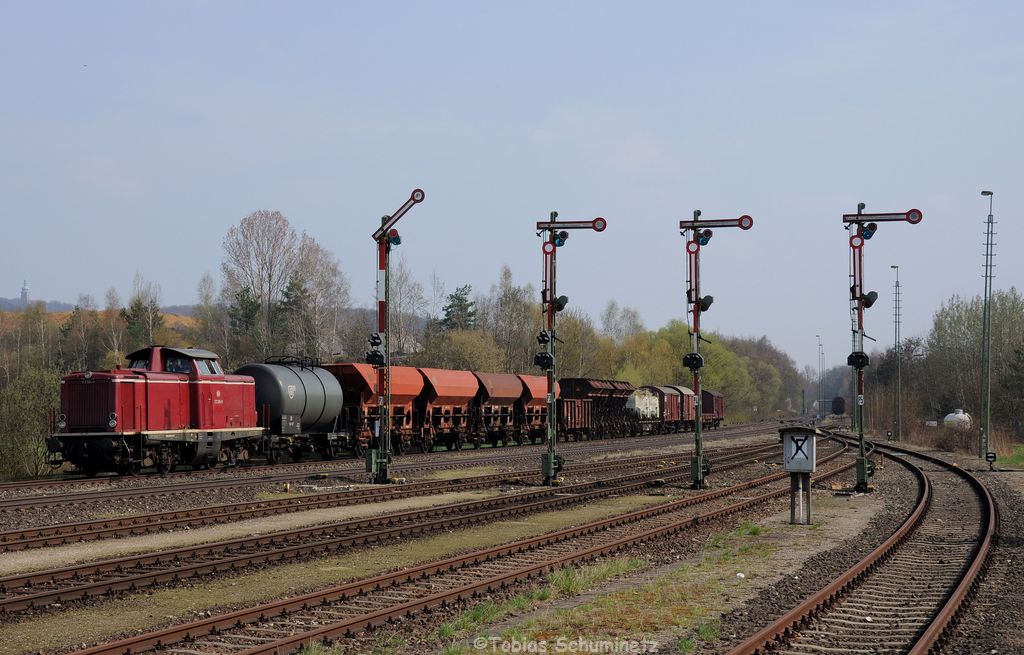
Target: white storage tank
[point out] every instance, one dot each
(957, 420)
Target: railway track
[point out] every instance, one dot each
(285, 626)
(41, 588)
(434, 460)
(67, 533)
(346, 471)
(904, 596)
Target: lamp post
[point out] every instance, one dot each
(898, 350)
(986, 336)
(821, 394)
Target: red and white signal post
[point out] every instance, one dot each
(378, 458)
(557, 235)
(699, 467)
(864, 227)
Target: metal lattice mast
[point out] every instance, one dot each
(897, 317)
(984, 436)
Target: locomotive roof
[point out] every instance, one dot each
(191, 353)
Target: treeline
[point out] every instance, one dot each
(942, 371)
(281, 293)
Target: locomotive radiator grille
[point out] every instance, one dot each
(88, 405)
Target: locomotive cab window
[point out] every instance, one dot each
(178, 365)
(209, 367)
(139, 364)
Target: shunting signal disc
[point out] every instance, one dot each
(692, 247)
(548, 247)
(856, 241)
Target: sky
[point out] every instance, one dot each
(135, 134)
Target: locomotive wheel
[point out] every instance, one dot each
(166, 465)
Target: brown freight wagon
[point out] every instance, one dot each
(669, 406)
(445, 408)
(687, 407)
(360, 411)
(712, 408)
(610, 416)
(575, 419)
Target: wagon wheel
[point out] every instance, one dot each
(295, 452)
(459, 441)
(399, 446)
(357, 448)
(329, 452)
(426, 445)
(166, 462)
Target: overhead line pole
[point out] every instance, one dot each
(984, 435)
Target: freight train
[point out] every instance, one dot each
(174, 406)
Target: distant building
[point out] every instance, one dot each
(24, 293)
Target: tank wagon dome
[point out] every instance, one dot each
(958, 419)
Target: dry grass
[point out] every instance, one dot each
(107, 618)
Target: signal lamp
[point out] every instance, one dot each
(693, 361)
(869, 298)
(376, 339)
(704, 236)
(544, 360)
(858, 359)
(705, 303)
(561, 238)
(375, 357)
(393, 237)
(560, 302)
(868, 231)
(543, 337)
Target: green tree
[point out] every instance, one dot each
(459, 311)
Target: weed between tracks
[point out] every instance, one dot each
(687, 599)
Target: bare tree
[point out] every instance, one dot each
(408, 305)
(260, 255)
(113, 327)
